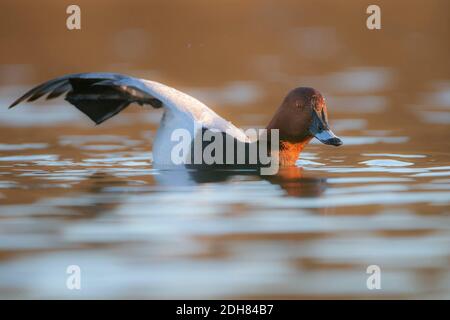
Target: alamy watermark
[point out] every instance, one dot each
(73, 21)
(73, 281)
(374, 280)
(218, 148)
(373, 21)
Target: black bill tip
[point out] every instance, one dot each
(329, 138)
(333, 142)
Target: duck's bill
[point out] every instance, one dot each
(328, 137)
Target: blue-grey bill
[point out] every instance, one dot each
(328, 137)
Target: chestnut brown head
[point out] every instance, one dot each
(302, 116)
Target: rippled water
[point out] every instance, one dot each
(72, 193)
(94, 200)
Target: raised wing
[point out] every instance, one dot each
(102, 95)
(98, 95)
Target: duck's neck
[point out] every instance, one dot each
(290, 142)
(290, 151)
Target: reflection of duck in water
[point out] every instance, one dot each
(292, 181)
(301, 116)
(289, 178)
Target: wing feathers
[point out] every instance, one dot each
(59, 90)
(35, 92)
(98, 95)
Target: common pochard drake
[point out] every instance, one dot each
(301, 116)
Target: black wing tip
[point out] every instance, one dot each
(30, 99)
(15, 103)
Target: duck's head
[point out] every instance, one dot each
(302, 116)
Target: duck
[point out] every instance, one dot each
(301, 116)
